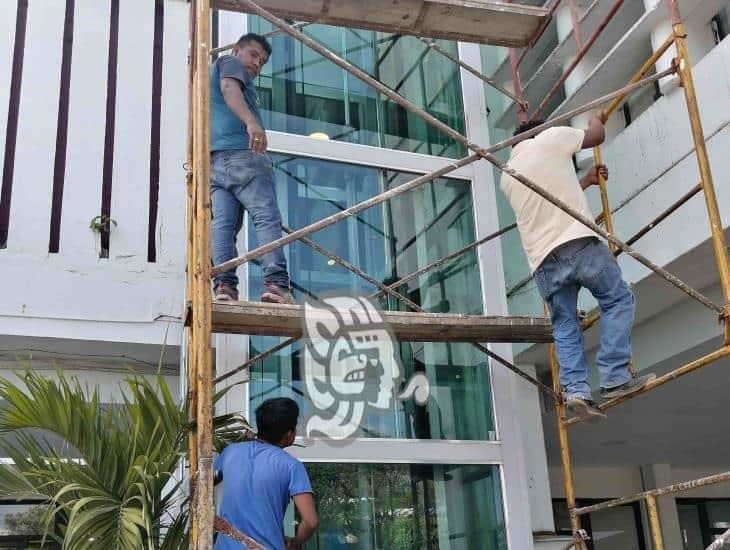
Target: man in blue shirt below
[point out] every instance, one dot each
(242, 174)
(259, 479)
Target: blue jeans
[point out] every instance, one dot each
(587, 263)
(241, 179)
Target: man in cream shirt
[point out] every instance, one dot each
(566, 256)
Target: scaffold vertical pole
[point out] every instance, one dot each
(560, 413)
(698, 136)
(607, 219)
(576, 24)
(655, 526)
(190, 362)
(520, 104)
(605, 205)
(201, 293)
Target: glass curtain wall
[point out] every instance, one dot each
(390, 505)
(397, 506)
(388, 242)
(303, 93)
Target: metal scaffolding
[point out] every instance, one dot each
(203, 320)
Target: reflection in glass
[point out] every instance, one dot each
(402, 507)
(387, 241)
(303, 93)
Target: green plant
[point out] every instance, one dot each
(102, 223)
(110, 483)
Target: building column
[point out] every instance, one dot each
(503, 383)
(699, 41)
(533, 441)
(659, 34)
(659, 475)
(564, 24)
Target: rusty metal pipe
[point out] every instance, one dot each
(200, 285)
(539, 31)
(432, 45)
(269, 34)
(579, 56)
(589, 321)
(719, 243)
(661, 380)
(668, 490)
(517, 85)
(638, 75)
(575, 20)
(721, 541)
(383, 289)
(563, 441)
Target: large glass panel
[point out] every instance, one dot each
(718, 514)
(303, 93)
(403, 507)
(387, 241)
(690, 527)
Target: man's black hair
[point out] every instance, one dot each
(253, 37)
(275, 417)
(525, 126)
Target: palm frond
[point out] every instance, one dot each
(111, 483)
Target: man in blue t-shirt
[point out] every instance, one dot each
(259, 478)
(241, 172)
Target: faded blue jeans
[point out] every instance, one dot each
(242, 179)
(587, 263)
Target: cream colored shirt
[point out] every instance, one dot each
(547, 160)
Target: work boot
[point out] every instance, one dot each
(585, 409)
(275, 294)
(635, 383)
(225, 293)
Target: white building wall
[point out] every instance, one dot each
(73, 302)
(74, 293)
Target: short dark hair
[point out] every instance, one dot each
(525, 126)
(253, 37)
(275, 417)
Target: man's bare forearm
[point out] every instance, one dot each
(233, 96)
(304, 532)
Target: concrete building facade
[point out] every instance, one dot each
(93, 126)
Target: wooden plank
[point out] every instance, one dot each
(286, 320)
(480, 21)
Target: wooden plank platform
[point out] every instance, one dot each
(286, 320)
(480, 21)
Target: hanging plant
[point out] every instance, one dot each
(102, 223)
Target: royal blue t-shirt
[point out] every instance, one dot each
(259, 479)
(226, 129)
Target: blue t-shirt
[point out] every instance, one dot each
(259, 479)
(226, 129)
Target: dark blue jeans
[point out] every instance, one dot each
(242, 179)
(587, 263)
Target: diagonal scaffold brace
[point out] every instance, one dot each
(479, 152)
